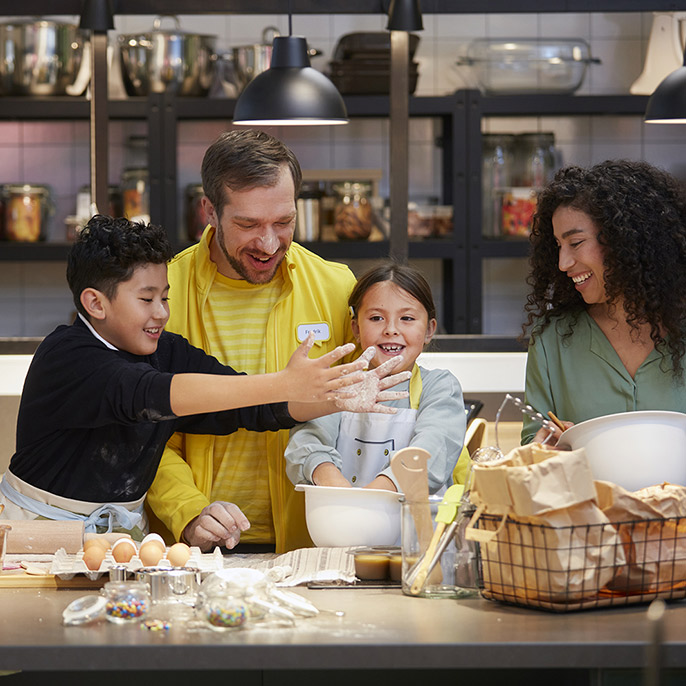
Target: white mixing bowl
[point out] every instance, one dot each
(351, 516)
(633, 449)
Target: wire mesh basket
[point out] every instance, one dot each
(581, 567)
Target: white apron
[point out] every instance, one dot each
(366, 442)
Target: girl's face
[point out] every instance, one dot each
(581, 256)
(394, 322)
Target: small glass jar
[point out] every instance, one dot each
(353, 211)
(195, 215)
(27, 208)
(497, 176)
(127, 601)
(223, 610)
(135, 187)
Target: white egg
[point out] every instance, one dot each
(154, 537)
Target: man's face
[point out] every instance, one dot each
(254, 231)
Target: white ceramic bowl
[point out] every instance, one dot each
(633, 449)
(351, 516)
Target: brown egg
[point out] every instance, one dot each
(151, 553)
(123, 550)
(95, 542)
(93, 557)
(178, 554)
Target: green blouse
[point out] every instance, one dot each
(581, 377)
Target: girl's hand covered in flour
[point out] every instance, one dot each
(366, 395)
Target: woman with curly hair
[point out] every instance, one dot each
(607, 310)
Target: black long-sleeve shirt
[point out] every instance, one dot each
(93, 421)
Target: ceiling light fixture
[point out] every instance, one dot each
(404, 15)
(290, 92)
(667, 104)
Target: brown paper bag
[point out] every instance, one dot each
(549, 541)
(651, 523)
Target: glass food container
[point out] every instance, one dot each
(127, 601)
(136, 194)
(496, 177)
(528, 65)
(353, 218)
(27, 209)
(195, 215)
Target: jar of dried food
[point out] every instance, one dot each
(196, 221)
(135, 186)
(353, 215)
(27, 209)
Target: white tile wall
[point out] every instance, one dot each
(34, 297)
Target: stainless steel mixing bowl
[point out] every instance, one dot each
(40, 57)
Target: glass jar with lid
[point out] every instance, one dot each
(27, 209)
(497, 174)
(353, 214)
(135, 189)
(127, 601)
(537, 159)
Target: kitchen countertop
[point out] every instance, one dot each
(381, 628)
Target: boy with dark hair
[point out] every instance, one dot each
(103, 396)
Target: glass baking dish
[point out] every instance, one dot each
(528, 65)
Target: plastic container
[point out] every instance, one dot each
(528, 65)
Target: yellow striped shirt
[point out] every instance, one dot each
(236, 320)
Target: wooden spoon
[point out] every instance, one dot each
(409, 467)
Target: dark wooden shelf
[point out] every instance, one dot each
(542, 104)
(494, 247)
(52, 7)
(27, 252)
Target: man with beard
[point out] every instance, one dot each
(247, 295)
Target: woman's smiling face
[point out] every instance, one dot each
(580, 255)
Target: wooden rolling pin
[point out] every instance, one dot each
(41, 536)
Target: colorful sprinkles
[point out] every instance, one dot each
(227, 616)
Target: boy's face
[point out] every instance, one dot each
(136, 315)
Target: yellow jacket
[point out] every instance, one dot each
(315, 291)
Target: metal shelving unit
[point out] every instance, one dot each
(479, 247)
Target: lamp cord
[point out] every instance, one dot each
(290, 19)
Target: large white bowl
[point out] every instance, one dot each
(351, 516)
(633, 449)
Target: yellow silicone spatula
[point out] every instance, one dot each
(447, 512)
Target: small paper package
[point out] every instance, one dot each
(651, 524)
(544, 538)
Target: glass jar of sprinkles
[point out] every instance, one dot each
(223, 611)
(126, 601)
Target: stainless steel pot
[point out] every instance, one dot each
(247, 61)
(160, 60)
(178, 585)
(40, 58)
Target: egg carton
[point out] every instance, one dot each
(67, 566)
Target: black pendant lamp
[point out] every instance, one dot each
(290, 92)
(667, 104)
(404, 15)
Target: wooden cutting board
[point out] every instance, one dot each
(21, 579)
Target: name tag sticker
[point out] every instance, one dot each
(321, 331)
